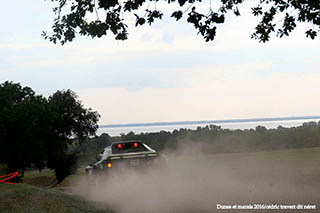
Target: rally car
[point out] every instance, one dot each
(126, 155)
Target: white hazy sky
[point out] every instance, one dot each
(165, 72)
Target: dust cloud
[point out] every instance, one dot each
(194, 182)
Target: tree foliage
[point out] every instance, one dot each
(40, 131)
(71, 18)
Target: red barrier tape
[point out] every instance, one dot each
(9, 176)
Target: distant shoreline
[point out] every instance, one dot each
(209, 121)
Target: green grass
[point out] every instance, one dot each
(27, 198)
(49, 172)
(36, 173)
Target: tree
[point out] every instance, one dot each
(70, 118)
(40, 131)
(70, 122)
(72, 17)
(20, 116)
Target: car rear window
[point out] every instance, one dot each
(120, 148)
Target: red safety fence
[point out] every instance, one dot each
(8, 177)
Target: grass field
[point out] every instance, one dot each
(192, 182)
(36, 173)
(27, 198)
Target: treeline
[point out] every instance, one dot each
(214, 139)
(41, 132)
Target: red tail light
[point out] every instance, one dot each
(109, 165)
(119, 146)
(135, 145)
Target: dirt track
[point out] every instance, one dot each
(198, 183)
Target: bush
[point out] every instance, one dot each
(65, 166)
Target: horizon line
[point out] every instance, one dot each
(168, 123)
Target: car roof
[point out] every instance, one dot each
(131, 141)
(126, 141)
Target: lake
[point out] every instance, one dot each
(116, 131)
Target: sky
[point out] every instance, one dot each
(165, 72)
